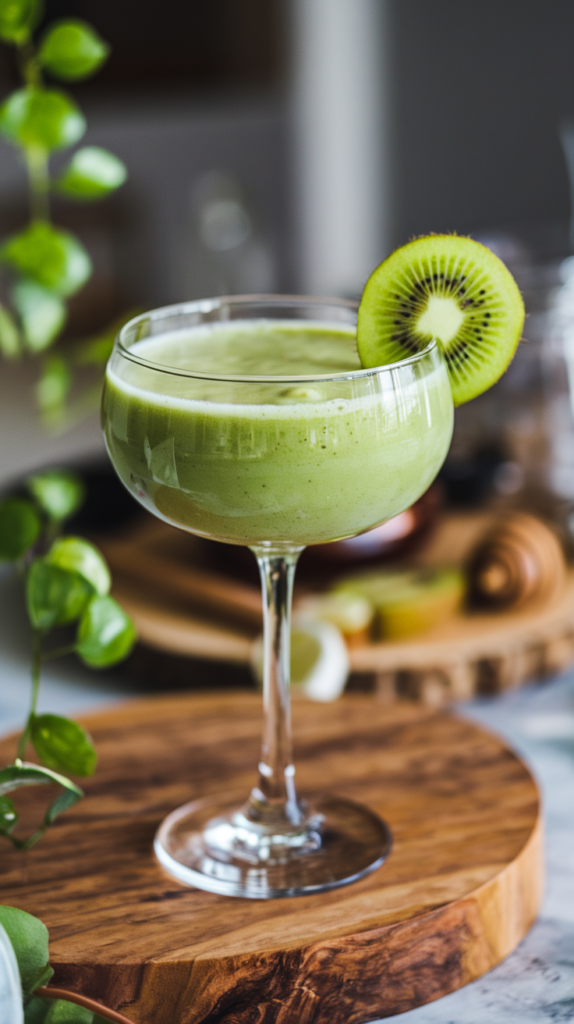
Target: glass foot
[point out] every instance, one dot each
(212, 845)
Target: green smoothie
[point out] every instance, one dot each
(297, 459)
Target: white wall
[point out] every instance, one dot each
(339, 110)
(24, 443)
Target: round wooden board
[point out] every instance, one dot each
(460, 889)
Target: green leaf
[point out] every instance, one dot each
(42, 313)
(64, 1012)
(66, 799)
(63, 745)
(10, 342)
(59, 1011)
(36, 1010)
(91, 174)
(106, 634)
(76, 555)
(72, 49)
(18, 18)
(8, 816)
(55, 596)
(29, 938)
(58, 492)
(53, 388)
(53, 258)
(25, 774)
(46, 118)
(19, 528)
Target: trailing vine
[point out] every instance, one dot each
(45, 265)
(67, 584)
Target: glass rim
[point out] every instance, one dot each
(212, 304)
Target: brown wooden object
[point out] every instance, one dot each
(518, 561)
(212, 592)
(485, 651)
(460, 889)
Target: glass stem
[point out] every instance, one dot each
(274, 799)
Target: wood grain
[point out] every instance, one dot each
(458, 892)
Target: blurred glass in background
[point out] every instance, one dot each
(228, 253)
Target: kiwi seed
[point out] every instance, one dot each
(447, 288)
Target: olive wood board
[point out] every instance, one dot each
(460, 889)
(180, 608)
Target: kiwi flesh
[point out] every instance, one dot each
(451, 289)
(408, 601)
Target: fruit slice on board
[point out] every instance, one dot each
(319, 659)
(451, 289)
(408, 601)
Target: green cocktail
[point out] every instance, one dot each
(250, 420)
(288, 462)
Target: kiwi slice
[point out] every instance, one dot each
(408, 601)
(448, 288)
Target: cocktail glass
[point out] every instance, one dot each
(274, 463)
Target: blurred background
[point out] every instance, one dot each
(289, 145)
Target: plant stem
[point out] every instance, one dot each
(27, 844)
(59, 652)
(36, 662)
(80, 1000)
(36, 156)
(39, 182)
(53, 531)
(29, 67)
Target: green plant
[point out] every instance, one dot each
(67, 584)
(26, 937)
(45, 264)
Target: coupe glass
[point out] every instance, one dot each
(274, 463)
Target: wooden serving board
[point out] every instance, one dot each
(181, 608)
(459, 890)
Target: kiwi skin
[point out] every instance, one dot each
(449, 288)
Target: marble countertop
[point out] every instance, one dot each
(535, 984)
